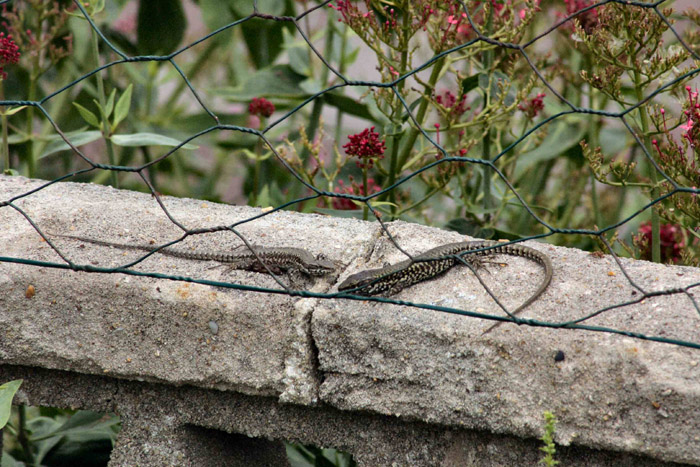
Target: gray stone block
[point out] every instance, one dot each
(391, 384)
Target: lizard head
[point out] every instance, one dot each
(321, 266)
(365, 282)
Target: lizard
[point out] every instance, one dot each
(392, 279)
(277, 260)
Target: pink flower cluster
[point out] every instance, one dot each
(693, 114)
(587, 19)
(353, 189)
(671, 242)
(533, 106)
(365, 145)
(449, 101)
(348, 11)
(261, 106)
(457, 24)
(674, 152)
(9, 53)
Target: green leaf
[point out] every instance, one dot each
(147, 139)
(80, 419)
(123, 106)
(564, 135)
(9, 461)
(160, 26)
(88, 116)
(278, 81)
(505, 235)
(7, 393)
(264, 197)
(411, 107)
(483, 81)
(298, 53)
(86, 435)
(13, 110)
(17, 138)
(185, 123)
(215, 13)
(310, 86)
(614, 140)
(109, 107)
(347, 105)
(374, 204)
(470, 82)
(80, 422)
(43, 438)
(263, 37)
(351, 57)
(255, 157)
(77, 139)
(495, 91)
(465, 226)
(270, 7)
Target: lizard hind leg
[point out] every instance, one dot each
(297, 279)
(473, 262)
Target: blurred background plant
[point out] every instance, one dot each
(406, 90)
(53, 437)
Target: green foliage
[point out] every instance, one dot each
(549, 447)
(311, 456)
(7, 392)
(46, 436)
(477, 139)
(161, 26)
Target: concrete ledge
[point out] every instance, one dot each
(389, 383)
(164, 425)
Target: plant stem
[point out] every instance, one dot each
(31, 162)
(365, 209)
(486, 180)
(398, 160)
(256, 174)
(22, 437)
(655, 220)
(341, 70)
(5, 143)
(103, 104)
(594, 141)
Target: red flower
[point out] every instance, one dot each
(367, 145)
(449, 101)
(671, 242)
(533, 106)
(354, 189)
(9, 53)
(261, 106)
(350, 13)
(693, 114)
(588, 19)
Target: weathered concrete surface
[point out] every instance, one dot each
(609, 392)
(186, 426)
(157, 330)
(394, 384)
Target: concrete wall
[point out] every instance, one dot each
(204, 374)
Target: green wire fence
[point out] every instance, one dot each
(477, 162)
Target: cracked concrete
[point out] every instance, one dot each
(388, 383)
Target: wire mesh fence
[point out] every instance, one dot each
(569, 121)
